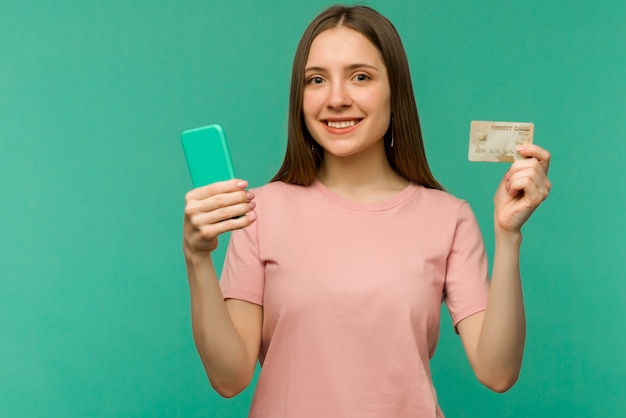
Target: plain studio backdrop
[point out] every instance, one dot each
(94, 310)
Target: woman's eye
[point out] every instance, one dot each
(361, 77)
(315, 80)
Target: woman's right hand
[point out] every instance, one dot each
(214, 209)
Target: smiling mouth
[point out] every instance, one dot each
(342, 124)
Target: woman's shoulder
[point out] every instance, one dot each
(278, 189)
(440, 197)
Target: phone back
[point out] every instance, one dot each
(207, 155)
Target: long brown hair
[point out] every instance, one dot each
(407, 156)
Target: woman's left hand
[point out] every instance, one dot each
(522, 189)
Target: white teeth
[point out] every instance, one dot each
(342, 124)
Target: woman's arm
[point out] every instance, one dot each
(227, 334)
(494, 339)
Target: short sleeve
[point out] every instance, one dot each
(243, 275)
(467, 282)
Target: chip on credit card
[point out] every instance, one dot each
(496, 141)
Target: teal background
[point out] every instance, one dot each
(94, 311)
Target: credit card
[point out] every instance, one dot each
(496, 141)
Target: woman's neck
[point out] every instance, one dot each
(366, 177)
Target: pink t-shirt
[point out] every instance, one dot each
(351, 296)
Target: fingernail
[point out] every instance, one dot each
(242, 184)
(520, 148)
(250, 195)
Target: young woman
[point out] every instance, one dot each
(336, 271)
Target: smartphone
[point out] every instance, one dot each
(207, 155)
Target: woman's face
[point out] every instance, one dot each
(347, 99)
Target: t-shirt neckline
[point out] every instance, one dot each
(386, 204)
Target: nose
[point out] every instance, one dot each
(338, 96)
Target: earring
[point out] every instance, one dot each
(312, 148)
(391, 123)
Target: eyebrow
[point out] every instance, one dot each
(351, 67)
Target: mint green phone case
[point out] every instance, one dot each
(207, 155)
